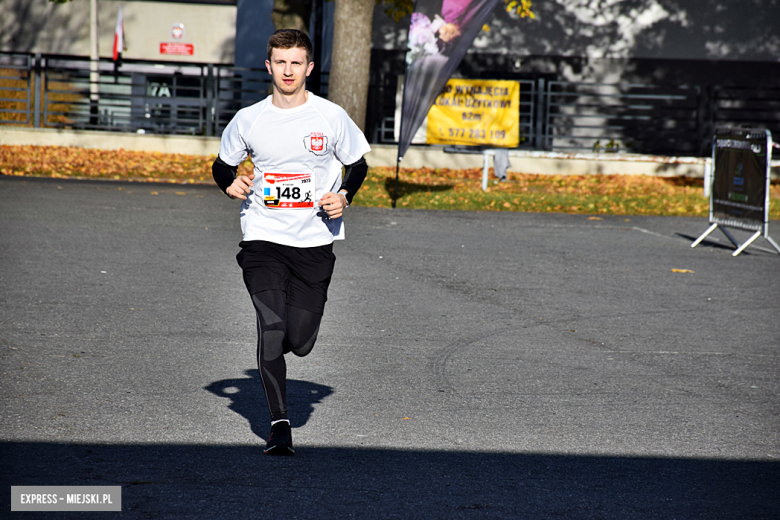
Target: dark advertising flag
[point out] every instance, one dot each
(440, 33)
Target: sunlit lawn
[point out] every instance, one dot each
(589, 194)
(425, 188)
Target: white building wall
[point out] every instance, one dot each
(42, 26)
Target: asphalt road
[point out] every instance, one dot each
(470, 365)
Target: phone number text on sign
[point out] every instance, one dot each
(476, 112)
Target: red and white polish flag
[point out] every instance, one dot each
(119, 36)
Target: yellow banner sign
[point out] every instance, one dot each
(476, 112)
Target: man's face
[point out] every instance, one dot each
(288, 69)
(448, 31)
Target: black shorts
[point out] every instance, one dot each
(301, 272)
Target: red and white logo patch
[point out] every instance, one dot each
(316, 143)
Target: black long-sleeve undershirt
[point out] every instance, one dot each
(223, 174)
(354, 175)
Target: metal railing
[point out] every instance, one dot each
(136, 96)
(200, 99)
(16, 89)
(567, 116)
(750, 107)
(617, 117)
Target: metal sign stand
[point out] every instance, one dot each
(732, 200)
(742, 247)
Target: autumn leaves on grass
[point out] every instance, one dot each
(424, 188)
(72, 162)
(428, 188)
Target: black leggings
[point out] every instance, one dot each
(280, 329)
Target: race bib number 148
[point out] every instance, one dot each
(288, 190)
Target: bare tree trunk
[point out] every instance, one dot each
(351, 57)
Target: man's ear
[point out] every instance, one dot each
(268, 66)
(309, 68)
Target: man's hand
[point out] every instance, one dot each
(333, 204)
(241, 187)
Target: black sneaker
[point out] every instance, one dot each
(280, 440)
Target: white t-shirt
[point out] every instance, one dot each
(297, 155)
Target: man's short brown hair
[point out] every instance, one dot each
(289, 39)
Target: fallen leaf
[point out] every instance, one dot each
(595, 218)
(406, 418)
(682, 271)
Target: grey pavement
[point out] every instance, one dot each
(470, 364)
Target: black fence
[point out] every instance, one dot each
(636, 118)
(200, 99)
(137, 96)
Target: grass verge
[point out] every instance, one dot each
(424, 188)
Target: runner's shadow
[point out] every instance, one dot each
(248, 400)
(409, 188)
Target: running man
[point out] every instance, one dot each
(298, 143)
